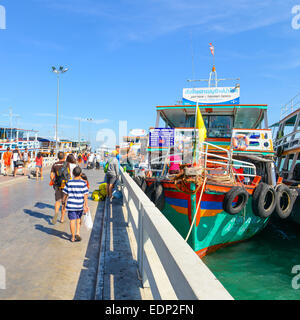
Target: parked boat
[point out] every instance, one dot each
(21, 138)
(287, 148)
(228, 194)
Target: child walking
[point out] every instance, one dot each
(76, 198)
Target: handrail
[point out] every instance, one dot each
(166, 263)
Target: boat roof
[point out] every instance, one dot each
(8, 128)
(246, 115)
(289, 119)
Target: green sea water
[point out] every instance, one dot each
(261, 267)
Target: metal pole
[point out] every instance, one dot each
(79, 136)
(56, 131)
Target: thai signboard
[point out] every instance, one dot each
(213, 95)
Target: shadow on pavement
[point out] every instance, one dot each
(85, 289)
(38, 215)
(42, 205)
(120, 269)
(53, 232)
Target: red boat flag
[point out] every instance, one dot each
(212, 49)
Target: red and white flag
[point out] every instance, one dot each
(212, 49)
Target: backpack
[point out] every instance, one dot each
(62, 176)
(106, 167)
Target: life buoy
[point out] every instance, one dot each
(285, 200)
(264, 200)
(240, 142)
(235, 200)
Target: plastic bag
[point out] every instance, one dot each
(88, 220)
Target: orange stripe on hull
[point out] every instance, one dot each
(203, 252)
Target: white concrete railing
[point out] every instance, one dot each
(47, 162)
(167, 264)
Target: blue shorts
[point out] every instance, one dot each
(74, 215)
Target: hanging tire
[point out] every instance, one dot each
(150, 192)
(137, 180)
(144, 185)
(159, 197)
(284, 201)
(230, 205)
(264, 200)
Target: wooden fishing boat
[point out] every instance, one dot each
(229, 193)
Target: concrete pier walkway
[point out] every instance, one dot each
(40, 261)
(42, 264)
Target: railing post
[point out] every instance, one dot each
(142, 239)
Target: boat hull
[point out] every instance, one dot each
(213, 227)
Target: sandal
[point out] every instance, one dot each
(78, 238)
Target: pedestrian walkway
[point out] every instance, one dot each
(40, 261)
(119, 269)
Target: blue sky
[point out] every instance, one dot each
(128, 56)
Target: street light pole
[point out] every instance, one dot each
(58, 72)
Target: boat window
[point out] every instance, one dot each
(289, 125)
(217, 126)
(282, 163)
(289, 162)
(190, 121)
(220, 126)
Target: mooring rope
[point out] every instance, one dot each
(198, 205)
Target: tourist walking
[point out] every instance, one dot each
(39, 166)
(60, 174)
(7, 157)
(26, 159)
(17, 157)
(76, 198)
(112, 173)
(71, 161)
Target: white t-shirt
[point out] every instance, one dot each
(91, 158)
(15, 156)
(72, 166)
(98, 158)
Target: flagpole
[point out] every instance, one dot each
(195, 136)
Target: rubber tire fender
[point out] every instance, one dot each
(259, 200)
(159, 197)
(144, 185)
(243, 197)
(284, 201)
(150, 192)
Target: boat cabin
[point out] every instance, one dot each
(286, 135)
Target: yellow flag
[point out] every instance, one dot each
(200, 126)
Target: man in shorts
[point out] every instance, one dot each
(17, 156)
(58, 189)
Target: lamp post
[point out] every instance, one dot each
(79, 120)
(58, 72)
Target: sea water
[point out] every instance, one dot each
(261, 267)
